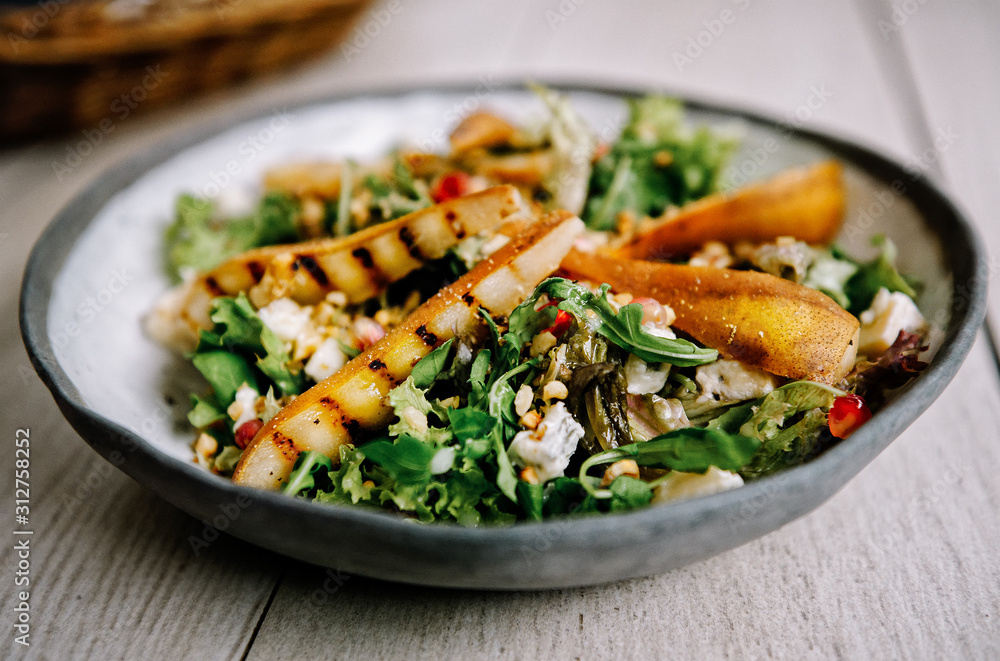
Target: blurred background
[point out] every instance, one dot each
(85, 85)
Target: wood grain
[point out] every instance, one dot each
(902, 563)
(897, 565)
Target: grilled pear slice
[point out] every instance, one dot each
(360, 265)
(805, 203)
(781, 327)
(351, 403)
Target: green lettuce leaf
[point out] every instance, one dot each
(658, 162)
(198, 239)
(408, 395)
(878, 273)
(830, 275)
(781, 445)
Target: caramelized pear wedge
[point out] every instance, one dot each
(360, 265)
(779, 326)
(352, 402)
(805, 203)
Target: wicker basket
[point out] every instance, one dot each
(82, 64)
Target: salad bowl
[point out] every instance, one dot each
(96, 271)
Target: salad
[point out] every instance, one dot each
(534, 324)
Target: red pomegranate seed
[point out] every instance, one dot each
(847, 414)
(452, 185)
(247, 431)
(561, 325)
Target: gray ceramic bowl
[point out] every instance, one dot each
(96, 271)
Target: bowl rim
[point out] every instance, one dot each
(963, 252)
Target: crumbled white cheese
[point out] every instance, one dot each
(889, 313)
(285, 318)
(644, 378)
(547, 449)
(327, 359)
(732, 381)
(246, 403)
(681, 486)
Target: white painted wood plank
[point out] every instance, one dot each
(953, 51)
(900, 564)
(784, 595)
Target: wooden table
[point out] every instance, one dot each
(903, 563)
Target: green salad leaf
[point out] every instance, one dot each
(239, 349)
(200, 240)
(624, 328)
(878, 273)
(830, 274)
(308, 466)
(657, 162)
(805, 402)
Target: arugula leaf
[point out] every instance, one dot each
(690, 450)
(426, 371)
(307, 467)
(407, 460)
(629, 493)
(878, 273)
(624, 328)
(530, 497)
(204, 411)
(468, 424)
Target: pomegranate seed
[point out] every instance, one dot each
(450, 186)
(247, 431)
(561, 325)
(847, 414)
(652, 311)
